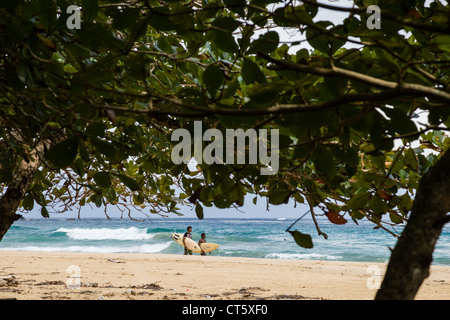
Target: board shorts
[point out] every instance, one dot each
(187, 251)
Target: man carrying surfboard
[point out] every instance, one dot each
(202, 240)
(190, 246)
(187, 234)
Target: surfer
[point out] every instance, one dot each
(202, 240)
(187, 234)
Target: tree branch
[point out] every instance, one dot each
(410, 260)
(387, 15)
(404, 88)
(275, 110)
(313, 216)
(23, 177)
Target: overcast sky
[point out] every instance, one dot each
(249, 210)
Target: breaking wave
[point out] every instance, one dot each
(131, 233)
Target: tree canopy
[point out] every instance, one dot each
(93, 108)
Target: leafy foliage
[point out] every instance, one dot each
(109, 95)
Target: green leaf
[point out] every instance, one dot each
(397, 163)
(199, 211)
(78, 166)
(104, 147)
(377, 205)
(111, 195)
(46, 13)
(303, 240)
(405, 203)
(28, 202)
(236, 195)
(318, 41)
(266, 43)
(230, 89)
(356, 215)
(129, 182)
(400, 122)
(222, 202)
(226, 24)
(299, 14)
(138, 198)
(395, 218)
(359, 200)
(379, 160)
(251, 72)
(135, 65)
(332, 88)
(322, 42)
(98, 200)
(138, 29)
(125, 17)
(63, 154)
(324, 162)
(102, 179)
(207, 194)
(90, 10)
(96, 129)
(225, 41)
(265, 93)
(278, 196)
(237, 6)
(212, 78)
(44, 212)
(442, 42)
(94, 36)
(83, 151)
(161, 22)
(411, 159)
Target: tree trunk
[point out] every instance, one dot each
(411, 259)
(23, 177)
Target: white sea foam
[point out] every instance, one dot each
(145, 248)
(131, 233)
(260, 238)
(305, 256)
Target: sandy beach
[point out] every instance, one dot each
(92, 276)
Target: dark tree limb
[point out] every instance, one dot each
(404, 88)
(412, 256)
(23, 177)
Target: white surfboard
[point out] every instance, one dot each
(192, 245)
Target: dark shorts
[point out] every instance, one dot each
(187, 251)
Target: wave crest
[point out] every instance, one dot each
(131, 233)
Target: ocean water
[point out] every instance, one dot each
(257, 238)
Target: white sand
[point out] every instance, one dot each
(43, 275)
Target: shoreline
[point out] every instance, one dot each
(152, 276)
